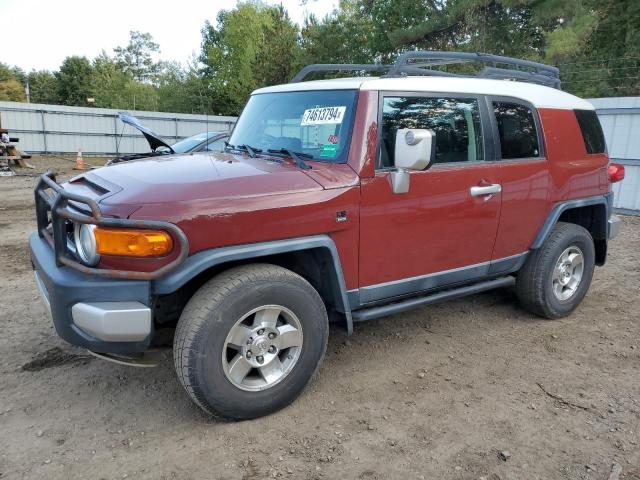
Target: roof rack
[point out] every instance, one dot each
(421, 63)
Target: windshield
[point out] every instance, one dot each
(317, 123)
(187, 144)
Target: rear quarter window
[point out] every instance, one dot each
(591, 131)
(517, 129)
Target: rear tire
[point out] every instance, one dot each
(555, 278)
(250, 340)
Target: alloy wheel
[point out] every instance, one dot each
(262, 348)
(567, 273)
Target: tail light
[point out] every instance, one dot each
(616, 172)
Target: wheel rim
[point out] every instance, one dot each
(262, 348)
(568, 273)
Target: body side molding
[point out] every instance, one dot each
(201, 261)
(374, 294)
(395, 288)
(558, 208)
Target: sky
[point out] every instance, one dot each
(51, 30)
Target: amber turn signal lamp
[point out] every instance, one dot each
(132, 243)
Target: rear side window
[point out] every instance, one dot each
(455, 121)
(517, 129)
(591, 131)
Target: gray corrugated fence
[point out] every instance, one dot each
(97, 131)
(61, 129)
(620, 119)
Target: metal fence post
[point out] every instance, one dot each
(115, 131)
(44, 131)
(176, 123)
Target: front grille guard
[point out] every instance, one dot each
(52, 199)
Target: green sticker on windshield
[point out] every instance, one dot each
(329, 150)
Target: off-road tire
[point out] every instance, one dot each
(210, 314)
(534, 280)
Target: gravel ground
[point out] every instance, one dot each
(469, 389)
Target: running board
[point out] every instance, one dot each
(401, 306)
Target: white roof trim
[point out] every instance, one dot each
(539, 95)
(335, 84)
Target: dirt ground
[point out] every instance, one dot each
(437, 393)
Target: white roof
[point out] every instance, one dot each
(539, 95)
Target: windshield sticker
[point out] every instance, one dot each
(329, 150)
(323, 116)
(333, 139)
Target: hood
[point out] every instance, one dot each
(153, 138)
(202, 175)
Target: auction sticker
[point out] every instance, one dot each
(323, 116)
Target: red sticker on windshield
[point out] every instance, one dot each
(333, 139)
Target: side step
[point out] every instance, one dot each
(403, 305)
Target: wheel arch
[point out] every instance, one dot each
(591, 213)
(313, 258)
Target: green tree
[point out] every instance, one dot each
(19, 74)
(276, 61)
(337, 38)
(137, 57)
(6, 72)
(109, 83)
(588, 39)
(74, 81)
(251, 46)
(43, 87)
(11, 90)
(141, 96)
(362, 31)
(606, 64)
(183, 91)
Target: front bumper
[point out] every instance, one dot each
(102, 314)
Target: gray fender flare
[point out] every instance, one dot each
(558, 208)
(201, 261)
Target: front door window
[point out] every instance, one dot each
(455, 121)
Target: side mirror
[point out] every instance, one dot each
(415, 150)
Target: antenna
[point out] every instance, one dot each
(206, 116)
(204, 111)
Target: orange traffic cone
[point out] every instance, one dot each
(79, 161)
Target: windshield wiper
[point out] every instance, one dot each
(252, 151)
(297, 156)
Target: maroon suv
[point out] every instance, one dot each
(339, 200)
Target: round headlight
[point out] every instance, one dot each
(86, 243)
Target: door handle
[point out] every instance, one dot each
(485, 190)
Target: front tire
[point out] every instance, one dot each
(555, 278)
(250, 340)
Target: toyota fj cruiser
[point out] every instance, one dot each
(335, 200)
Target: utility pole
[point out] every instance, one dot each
(27, 92)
